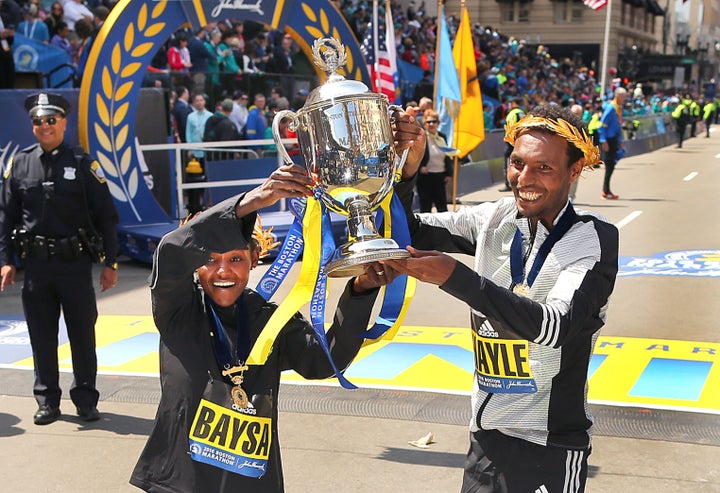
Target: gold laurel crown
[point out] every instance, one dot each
(577, 137)
(266, 241)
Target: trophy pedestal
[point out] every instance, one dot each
(349, 259)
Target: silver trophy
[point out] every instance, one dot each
(346, 142)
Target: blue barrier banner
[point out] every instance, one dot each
(33, 56)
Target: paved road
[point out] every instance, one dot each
(335, 440)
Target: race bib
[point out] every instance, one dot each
(502, 366)
(226, 438)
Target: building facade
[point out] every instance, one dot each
(672, 43)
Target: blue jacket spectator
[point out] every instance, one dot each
(200, 55)
(34, 28)
(610, 119)
(256, 121)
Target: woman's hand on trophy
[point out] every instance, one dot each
(286, 182)
(408, 134)
(375, 275)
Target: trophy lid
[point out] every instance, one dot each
(330, 55)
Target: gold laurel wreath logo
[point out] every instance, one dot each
(112, 102)
(318, 26)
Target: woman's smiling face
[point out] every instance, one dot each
(225, 275)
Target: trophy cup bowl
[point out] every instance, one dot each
(346, 141)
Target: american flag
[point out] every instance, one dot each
(595, 4)
(383, 69)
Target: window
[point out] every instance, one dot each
(576, 11)
(507, 12)
(512, 11)
(565, 11)
(523, 12)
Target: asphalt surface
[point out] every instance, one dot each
(335, 440)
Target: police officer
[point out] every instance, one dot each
(53, 198)
(694, 116)
(709, 110)
(681, 115)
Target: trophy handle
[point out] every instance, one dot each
(282, 152)
(403, 158)
(399, 168)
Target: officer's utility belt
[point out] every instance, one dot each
(45, 248)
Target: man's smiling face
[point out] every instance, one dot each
(540, 175)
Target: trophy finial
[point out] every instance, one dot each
(329, 54)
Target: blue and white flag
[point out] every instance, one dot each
(448, 96)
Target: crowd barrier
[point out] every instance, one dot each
(486, 165)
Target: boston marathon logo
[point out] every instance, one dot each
(502, 366)
(226, 439)
(694, 263)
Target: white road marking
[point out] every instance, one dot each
(630, 217)
(690, 176)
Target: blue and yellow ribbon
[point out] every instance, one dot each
(317, 245)
(397, 296)
(303, 289)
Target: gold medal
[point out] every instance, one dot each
(238, 395)
(521, 289)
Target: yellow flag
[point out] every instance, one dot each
(470, 124)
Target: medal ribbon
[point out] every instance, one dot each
(517, 268)
(221, 341)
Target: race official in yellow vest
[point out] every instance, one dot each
(708, 116)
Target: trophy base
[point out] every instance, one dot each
(349, 259)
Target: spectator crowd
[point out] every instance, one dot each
(70, 25)
(244, 62)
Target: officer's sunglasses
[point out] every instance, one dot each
(50, 120)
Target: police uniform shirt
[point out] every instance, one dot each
(51, 194)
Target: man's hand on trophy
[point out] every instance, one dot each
(375, 275)
(408, 134)
(425, 265)
(286, 182)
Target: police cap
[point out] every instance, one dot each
(45, 103)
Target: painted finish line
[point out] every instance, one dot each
(625, 371)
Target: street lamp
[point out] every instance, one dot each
(681, 43)
(701, 52)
